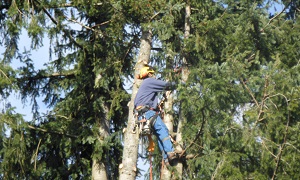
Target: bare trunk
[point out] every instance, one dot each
(128, 167)
(99, 170)
(168, 120)
(184, 77)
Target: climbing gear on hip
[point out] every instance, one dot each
(145, 125)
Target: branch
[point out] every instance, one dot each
(252, 95)
(87, 27)
(36, 154)
(263, 143)
(55, 22)
(5, 75)
(157, 49)
(220, 164)
(289, 144)
(39, 76)
(195, 139)
(101, 24)
(52, 132)
(265, 96)
(282, 146)
(154, 16)
(275, 16)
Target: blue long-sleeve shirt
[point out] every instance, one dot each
(148, 92)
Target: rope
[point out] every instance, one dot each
(151, 173)
(150, 149)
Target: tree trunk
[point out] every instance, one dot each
(99, 169)
(168, 120)
(184, 77)
(128, 167)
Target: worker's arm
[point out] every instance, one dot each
(170, 86)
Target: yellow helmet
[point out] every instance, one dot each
(145, 71)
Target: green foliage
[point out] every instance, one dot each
(241, 100)
(7, 79)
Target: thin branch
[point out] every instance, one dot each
(195, 139)
(157, 49)
(39, 76)
(101, 24)
(275, 16)
(289, 144)
(220, 164)
(154, 16)
(87, 27)
(5, 75)
(36, 153)
(61, 116)
(265, 96)
(250, 92)
(279, 94)
(53, 132)
(282, 146)
(55, 22)
(263, 143)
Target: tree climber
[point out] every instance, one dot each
(145, 104)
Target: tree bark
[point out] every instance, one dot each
(184, 77)
(98, 171)
(99, 168)
(168, 120)
(128, 169)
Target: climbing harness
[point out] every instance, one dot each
(144, 125)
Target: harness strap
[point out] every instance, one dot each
(153, 119)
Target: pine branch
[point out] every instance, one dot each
(5, 75)
(36, 153)
(250, 92)
(281, 148)
(51, 76)
(72, 20)
(262, 30)
(6, 5)
(154, 16)
(264, 145)
(56, 23)
(265, 96)
(219, 165)
(51, 132)
(44, 130)
(195, 139)
(87, 27)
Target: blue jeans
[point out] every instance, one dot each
(162, 133)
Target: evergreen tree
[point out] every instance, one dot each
(83, 87)
(237, 113)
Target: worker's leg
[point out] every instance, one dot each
(161, 147)
(162, 133)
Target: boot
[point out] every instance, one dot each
(172, 158)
